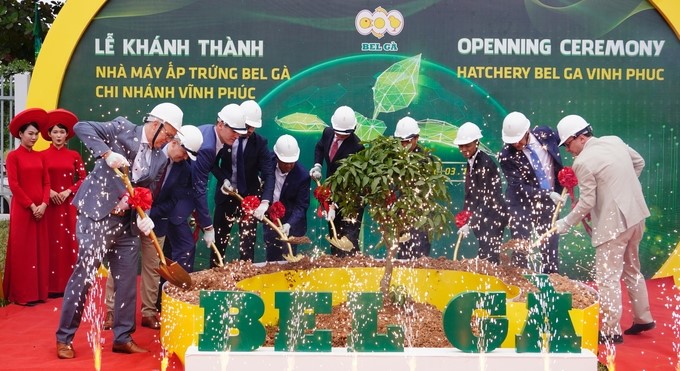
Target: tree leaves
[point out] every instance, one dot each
(401, 189)
(396, 87)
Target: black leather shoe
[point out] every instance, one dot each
(130, 347)
(610, 339)
(640, 327)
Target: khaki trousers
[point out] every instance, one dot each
(150, 279)
(615, 260)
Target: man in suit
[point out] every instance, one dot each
(105, 226)
(337, 143)
(173, 202)
(418, 243)
(217, 139)
(246, 169)
(607, 170)
(483, 194)
(291, 188)
(530, 160)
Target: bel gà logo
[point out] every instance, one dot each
(379, 22)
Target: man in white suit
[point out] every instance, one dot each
(607, 170)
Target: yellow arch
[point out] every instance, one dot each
(75, 17)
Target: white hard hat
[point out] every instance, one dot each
(253, 113)
(168, 113)
(571, 126)
(286, 149)
(191, 140)
(407, 128)
(343, 120)
(467, 133)
(232, 116)
(515, 126)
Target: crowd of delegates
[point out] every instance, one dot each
(89, 219)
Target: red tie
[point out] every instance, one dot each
(334, 149)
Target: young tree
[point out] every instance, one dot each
(402, 189)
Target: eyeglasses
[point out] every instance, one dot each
(568, 142)
(167, 133)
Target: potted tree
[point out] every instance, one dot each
(400, 189)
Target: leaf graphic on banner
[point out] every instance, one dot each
(439, 131)
(302, 122)
(368, 129)
(396, 87)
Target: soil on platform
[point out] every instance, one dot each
(422, 322)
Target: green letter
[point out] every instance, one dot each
(482, 333)
(364, 337)
(548, 325)
(297, 315)
(231, 321)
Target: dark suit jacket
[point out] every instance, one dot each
(523, 189)
(175, 200)
(295, 197)
(200, 171)
(258, 161)
(349, 146)
(484, 193)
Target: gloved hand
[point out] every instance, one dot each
(209, 236)
(285, 229)
(562, 226)
(259, 212)
(464, 230)
(116, 160)
(122, 204)
(315, 172)
(145, 224)
(330, 214)
(557, 198)
(226, 187)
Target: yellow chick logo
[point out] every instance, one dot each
(379, 22)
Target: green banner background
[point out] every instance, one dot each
(328, 63)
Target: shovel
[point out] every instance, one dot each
(290, 257)
(220, 263)
(343, 243)
(455, 250)
(168, 269)
(545, 235)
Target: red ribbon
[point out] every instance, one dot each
(277, 210)
(249, 204)
(568, 180)
(323, 195)
(463, 217)
(142, 198)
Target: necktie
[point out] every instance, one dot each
(161, 180)
(141, 165)
(334, 149)
(538, 169)
(240, 168)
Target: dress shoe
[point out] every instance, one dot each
(130, 347)
(65, 351)
(108, 321)
(610, 339)
(151, 322)
(640, 327)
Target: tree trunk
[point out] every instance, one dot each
(386, 280)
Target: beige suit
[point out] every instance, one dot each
(607, 170)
